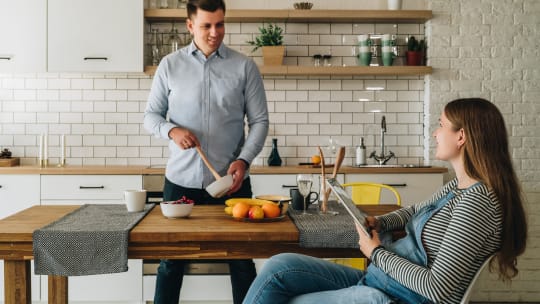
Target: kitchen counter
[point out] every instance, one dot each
(144, 170)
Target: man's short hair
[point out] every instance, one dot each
(205, 5)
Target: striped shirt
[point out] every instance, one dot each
(457, 240)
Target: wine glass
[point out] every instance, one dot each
(304, 182)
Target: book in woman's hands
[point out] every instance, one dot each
(358, 216)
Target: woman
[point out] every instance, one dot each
(476, 215)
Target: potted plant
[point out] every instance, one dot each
(270, 40)
(416, 51)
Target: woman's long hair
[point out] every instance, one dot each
(487, 159)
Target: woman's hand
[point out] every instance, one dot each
(373, 223)
(237, 169)
(183, 138)
(367, 244)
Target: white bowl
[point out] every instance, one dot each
(220, 187)
(171, 210)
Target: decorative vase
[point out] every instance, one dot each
(273, 55)
(274, 159)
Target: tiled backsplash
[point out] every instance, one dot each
(101, 114)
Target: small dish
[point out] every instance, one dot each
(171, 209)
(303, 5)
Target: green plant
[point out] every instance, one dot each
(414, 45)
(270, 35)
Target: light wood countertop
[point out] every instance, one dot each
(144, 170)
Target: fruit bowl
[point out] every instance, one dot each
(177, 209)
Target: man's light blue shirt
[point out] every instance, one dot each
(214, 98)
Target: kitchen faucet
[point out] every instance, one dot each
(382, 159)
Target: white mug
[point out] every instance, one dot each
(394, 4)
(135, 200)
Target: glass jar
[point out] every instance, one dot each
(155, 47)
(174, 41)
(317, 59)
(163, 4)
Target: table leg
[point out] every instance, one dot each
(17, 283)
(58, 289)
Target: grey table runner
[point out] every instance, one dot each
(90, 240)
(326, 231)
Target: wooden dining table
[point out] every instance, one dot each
(208, 233)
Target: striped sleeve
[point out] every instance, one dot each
(472, 234)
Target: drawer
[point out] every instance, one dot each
(88, 187)
(413, 188)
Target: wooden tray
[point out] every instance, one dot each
(9, 162)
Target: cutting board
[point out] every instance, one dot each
(9, 162)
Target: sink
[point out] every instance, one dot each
(393, 166)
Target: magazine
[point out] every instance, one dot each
(358, 215)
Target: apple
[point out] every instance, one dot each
(256, 213)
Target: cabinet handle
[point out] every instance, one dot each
(91, 187)
(0, 186)
(289, 186)
(6, 57)
(96, 58)
(397, 185)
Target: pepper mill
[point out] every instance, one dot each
(274, 159)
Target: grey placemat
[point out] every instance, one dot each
(90, 240)
(326, 231)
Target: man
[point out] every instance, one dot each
(207, 90)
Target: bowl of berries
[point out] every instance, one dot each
(178, 208)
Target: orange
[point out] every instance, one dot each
(316, 159)
(240, 209)
(256, 213)
(271, 210)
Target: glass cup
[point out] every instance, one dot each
(304, 183)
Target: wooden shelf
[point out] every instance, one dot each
(290, 70)
(312, 16)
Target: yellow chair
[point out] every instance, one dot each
(365, 194)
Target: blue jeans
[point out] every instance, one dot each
(299, 279)
(171, 272)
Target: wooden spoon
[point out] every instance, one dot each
(207, 163)
(337, 164)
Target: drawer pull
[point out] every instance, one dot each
(91, 187)
(5, 57)
(0, 186)
(96, 58)
(289, 186)
(397, 185)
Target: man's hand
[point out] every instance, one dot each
(237, 169)
(183, 138)
(367, 244)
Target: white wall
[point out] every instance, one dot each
(490, 49)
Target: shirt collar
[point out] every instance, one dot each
(221, 52)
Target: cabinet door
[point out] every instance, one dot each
(95, 189)
(18, 192)
(281, 183)
(98, 35)
(413, 188)
(23, 27)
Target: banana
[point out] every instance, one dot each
(228, 210)
(250, 201)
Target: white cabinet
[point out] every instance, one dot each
(95, 36)
(125, 287)
(23, 26)
(281, 183)
(18, 192)
(412, 187)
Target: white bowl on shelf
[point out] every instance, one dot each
(171, 209)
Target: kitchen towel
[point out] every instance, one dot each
(325, 230)
(90, 240)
